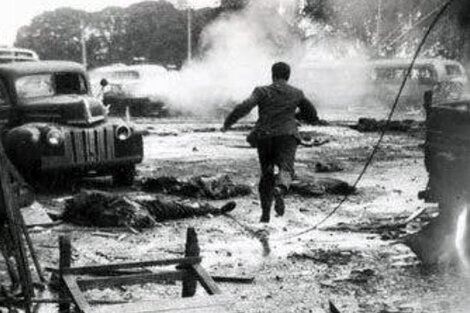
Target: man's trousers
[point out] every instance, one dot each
(275, 151)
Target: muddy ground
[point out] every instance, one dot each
(359, 272)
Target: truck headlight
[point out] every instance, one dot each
(54, 137)
(123, 132)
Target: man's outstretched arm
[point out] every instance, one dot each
(241, 110)
(308, 113)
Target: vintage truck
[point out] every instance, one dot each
(53, 126)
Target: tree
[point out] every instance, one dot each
(55, 34)
(233, 4)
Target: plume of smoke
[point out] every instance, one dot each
(239, 48)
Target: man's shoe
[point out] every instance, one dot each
(279, 205)
(228, 207)
(264, 219)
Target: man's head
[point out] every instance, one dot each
(280, 71)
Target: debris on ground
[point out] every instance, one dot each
(361, 276)
(389, 228)
(317, 187)
(328, 257)
(219, 187)
(372, 125)
(241, 128)
(328, 167)
(305, 142)
(102, 209)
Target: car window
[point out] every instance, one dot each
(397, 74)
(422, 73)
(389, 73)
(453, 69)
(34, 86)
(48, 85)
(125, 75)
(70, 84)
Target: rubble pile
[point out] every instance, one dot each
(101, 209)
(366, 125)
(208, 187)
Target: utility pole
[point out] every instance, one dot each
(379, 25)
(83, 44)
(188, 9)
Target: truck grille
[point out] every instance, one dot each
(90, 145)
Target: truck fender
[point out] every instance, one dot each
(23, 142)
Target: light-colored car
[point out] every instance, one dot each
(133, 86)
(12, 54)
(446, 78)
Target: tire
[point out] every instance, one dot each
(124, 175)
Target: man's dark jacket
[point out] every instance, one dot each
(277, 110)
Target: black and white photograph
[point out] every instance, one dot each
(245, 156)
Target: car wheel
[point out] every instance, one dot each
(124, 175)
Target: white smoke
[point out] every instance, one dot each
(238, 49)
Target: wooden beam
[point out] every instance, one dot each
(76, 294)
(206, 280)
(9, 203)
(65, 260)
(192, 250)
(233, 279)
(32, 251)
(103, 282)
(212, 304)
(117, 266)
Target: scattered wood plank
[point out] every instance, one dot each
(212, 304)
(205, 280)
(117, 266)
(333, 308)
(188, 270)
(415, 215)
(233, 279)
(76, 295)
(103, 282)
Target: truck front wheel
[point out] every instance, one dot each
(124, 175)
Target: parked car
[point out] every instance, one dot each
(52, 124)
(12, 54)
(134, 87)
(446, 78)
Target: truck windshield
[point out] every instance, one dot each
(48, 85)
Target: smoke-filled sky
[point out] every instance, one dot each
(239, 49)
(14, 14)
